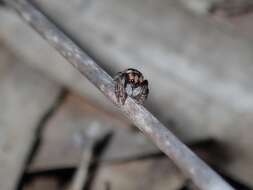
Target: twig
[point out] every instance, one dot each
(201, 174)
(82, 172)
(83, 177)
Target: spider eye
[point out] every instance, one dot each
(131, 80)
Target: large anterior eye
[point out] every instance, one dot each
(131, 80)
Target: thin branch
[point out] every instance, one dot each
(91, 155)
(192, 166)
(81, 174)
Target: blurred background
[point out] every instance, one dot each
(57, 131)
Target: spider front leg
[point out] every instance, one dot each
(141, 93)
(120, 87)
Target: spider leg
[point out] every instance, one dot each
(117, 85)
(144, 93)
(120, 91)
(117, 91)
(123, 84)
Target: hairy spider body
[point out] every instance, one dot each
(131, 83)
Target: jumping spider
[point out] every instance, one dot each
(131, 83)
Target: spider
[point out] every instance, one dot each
(131, 83)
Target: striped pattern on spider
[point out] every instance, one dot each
(131, 83)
